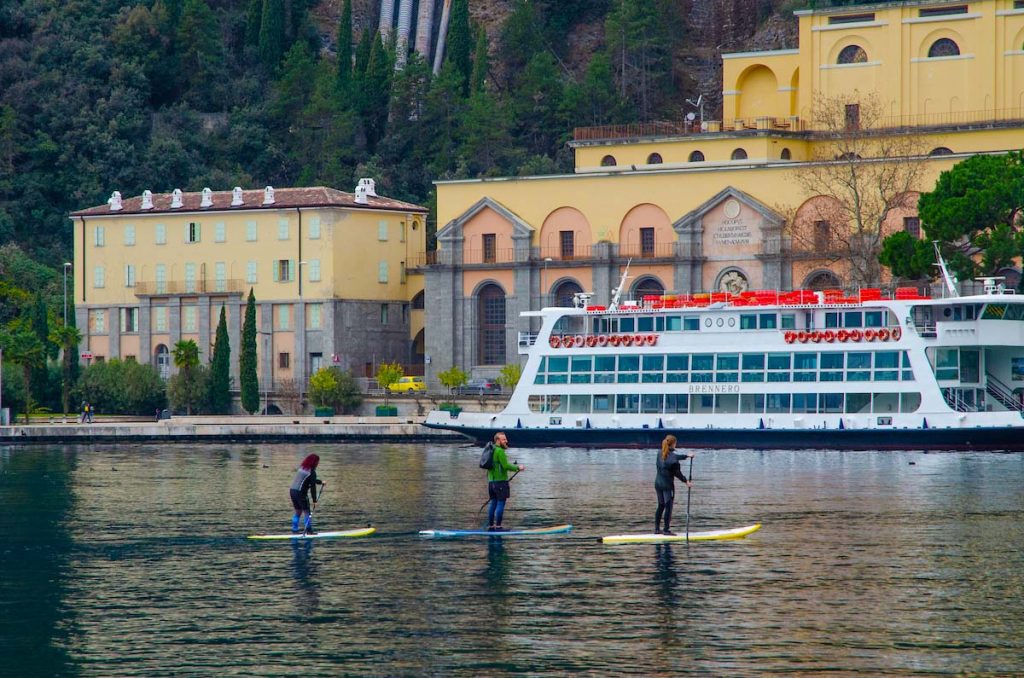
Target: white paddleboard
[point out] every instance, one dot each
(713, 535)
(361, 532)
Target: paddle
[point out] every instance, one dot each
(516, 462)
(688, 488)
(309, 516)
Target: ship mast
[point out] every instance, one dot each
(617, 292)
(947, 277)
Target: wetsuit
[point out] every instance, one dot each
(497, 486)
(303, 484)
(664, 486)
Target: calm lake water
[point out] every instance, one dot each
(132, 560)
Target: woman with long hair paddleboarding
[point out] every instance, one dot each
(497, 482)
(664, 482)
(303, 489)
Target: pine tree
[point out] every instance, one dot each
(460, 43)
(253, 22)
(480, 62)
(41, 330)
(220, 368)
(272, 33)
(376, 92)
(345, 53)
(201, 54)
(247, 359)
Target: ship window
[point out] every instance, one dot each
(727, 377)
(831, 319)
(701, 377)
(858, 361)
(558, 364)
(652, 377)
(873, 319)
(579, 404)
(947, 363)
(753, 361)
(604, 363)
(805, 361)
(910, 402)
(629, 363)
(858, 403)
(727, 403)
(659, 323)
(831, 361)
(767, 321)
(830, 402)
(628, 378)
(645, 324)
(788, 321)
(885, 403)
(752, 403)
(1013, 312)
(691, 323)
(805, 402)
(970, 362)
(580, 378)
(777, 402)
(602, 403)
(779, 361)
(728, 361)
(757, 376)
(853, 319)
(885, 360)
(673, 323)
(677, 377)
(558, 378)
(677, 402)
(650, 403)
(536, 403)
(748, 322)
(582, 363)
(626, 324)
(627, 403)
(678, 362)
(654, 363)
(886, 375)
(702, 404)
(539, 379)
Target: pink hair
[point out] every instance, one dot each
(310, 462)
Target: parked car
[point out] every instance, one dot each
(479, 387)
(408, 385)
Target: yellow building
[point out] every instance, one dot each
(328, 270)
(722, 204)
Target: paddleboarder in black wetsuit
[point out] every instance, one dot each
(664, 482)
(303, 489)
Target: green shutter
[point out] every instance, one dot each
(291, 270)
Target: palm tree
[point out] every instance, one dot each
(186, 359)
(22, 347)
(67, 337)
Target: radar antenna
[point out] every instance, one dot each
(617, 292)
(947, 277)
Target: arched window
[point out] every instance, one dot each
(941, 150)
(162, 358)
(646, 286)
(608, 161)
(491, 317)
(696, 156)
(739, 154)
(565, 292)
(786, 155)
(822, 280)
(943, 47)
(654, 159)
(417, 301)
(852, 54)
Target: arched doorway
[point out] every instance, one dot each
(565, 291)
(418, 352)
(491, 322)
(822, 280)
(645, 286)
(162, 360)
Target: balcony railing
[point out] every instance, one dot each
(576, 252)
(656, 250)
(581, 253)
(150, 288)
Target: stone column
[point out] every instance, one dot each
(300, 358)
(236, 312)
(114, 334)
(439, 334)
(205, 306)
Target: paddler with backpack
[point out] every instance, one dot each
(497, 464)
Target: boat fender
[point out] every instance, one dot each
(896, 333)
(602, 340)
(591, 341)
(555, 341)
(790, 337)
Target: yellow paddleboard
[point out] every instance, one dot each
(361, 532)
(736, 533)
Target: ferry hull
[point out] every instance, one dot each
(989, 439)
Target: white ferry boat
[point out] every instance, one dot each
(770, 370)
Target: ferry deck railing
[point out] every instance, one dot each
(526, 341)
(956, 401)
(1002, 393)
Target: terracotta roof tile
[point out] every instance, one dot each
(284, 198)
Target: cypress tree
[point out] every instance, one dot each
(253, 22)
(247, 358)
(480, 62)
(220, 369)
(376, 92)
(363, 55)
(41, 329)
(345, 53)
(272, 33)
(460, 43)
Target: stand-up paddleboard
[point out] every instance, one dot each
(361, 532)
(556, 529)
(712, 535)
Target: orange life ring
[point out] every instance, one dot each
(843, 335)
(591, 340)
(896, 333)
(555, 341)
(627, 339)
(580, 341)
(816, 336)
(829, 336)
(856, 335)
(803, 337)
(883, 334)
(652, 339)
(869, 335)
(567, 341)
(602, 340)
(790, 337)
(615, 339)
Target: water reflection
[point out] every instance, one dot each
(304, 571)
(496, 573)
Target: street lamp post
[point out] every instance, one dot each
(67, 265)
(543, 281)
(268, 351)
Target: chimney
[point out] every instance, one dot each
(207, 200)
(115, 201)
(361, 198)
(370, 186)
(236, 196)
(268, 195)
(147, 199)
(176, 198)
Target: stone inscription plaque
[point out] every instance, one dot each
(735, 227)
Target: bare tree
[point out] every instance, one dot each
(862, 174)
(288, 395)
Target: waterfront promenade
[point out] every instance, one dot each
(280, 428)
